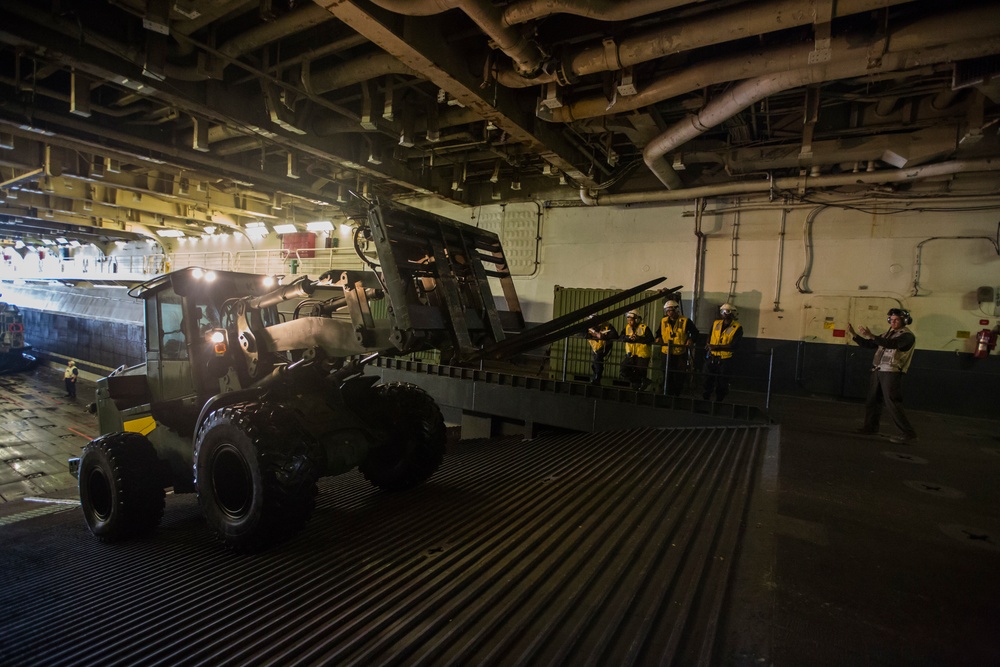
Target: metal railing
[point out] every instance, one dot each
(574, 359)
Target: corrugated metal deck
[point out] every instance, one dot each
(599, 549)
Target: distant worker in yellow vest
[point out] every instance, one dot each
(638, 351)
(893, 353)
(70, 376)
(722, 342)
(677, 333)
(600, 338)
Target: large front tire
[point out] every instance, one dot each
(256, 484)
(414, 445)
(121, 492)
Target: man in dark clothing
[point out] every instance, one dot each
(638, 351)
(600, 338)
(70, 376)
(893, 353)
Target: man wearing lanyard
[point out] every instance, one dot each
(893, 353)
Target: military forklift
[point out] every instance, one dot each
(248, 404)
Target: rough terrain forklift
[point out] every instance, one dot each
(249, 405)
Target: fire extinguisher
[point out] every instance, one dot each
(986, 340)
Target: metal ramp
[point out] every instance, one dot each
(575, 549)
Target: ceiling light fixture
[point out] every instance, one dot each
(257, 229)
(320, 226)
(285, 229)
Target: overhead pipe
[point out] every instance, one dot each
(512, 41)
(136, 55)
(793, 183)
(308, 16)
(734, 100)
(603, 10)
(748, 20)
(972, 30)
(360, 69)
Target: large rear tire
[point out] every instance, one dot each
(414, 445)
(256, 484)
(120, 488)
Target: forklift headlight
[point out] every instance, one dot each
(219, 341)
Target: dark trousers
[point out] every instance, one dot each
(886, 389)
(70, 387)
(676, 369)
(597, 366)
(634, 371)
(717, 372)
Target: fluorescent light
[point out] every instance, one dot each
(320, 226)
(285, 229)
(60, 239)
(170, 233)
(257, 229)
(75, 244)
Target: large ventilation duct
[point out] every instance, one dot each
(746, 20)
(925, 40)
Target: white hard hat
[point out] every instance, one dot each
(727, 308)
(633, 313)
(670, 304)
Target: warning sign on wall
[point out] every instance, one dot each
(303, 242)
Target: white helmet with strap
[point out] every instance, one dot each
(727, 309)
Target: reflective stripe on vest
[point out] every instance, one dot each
(893, 360)
(722, 336)
(676, 334)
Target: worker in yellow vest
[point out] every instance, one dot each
(722, 342)
(638, 351)
(677, 333)
(600, 337)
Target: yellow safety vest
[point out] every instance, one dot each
(674, 333)
(598, 345)
(722, 336)
(638, 349)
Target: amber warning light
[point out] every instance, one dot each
(218, 340)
